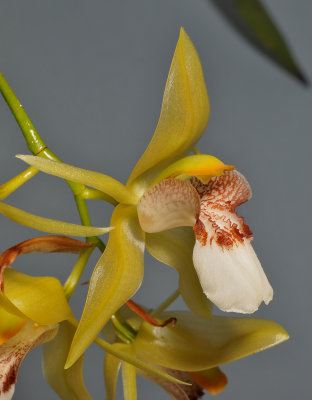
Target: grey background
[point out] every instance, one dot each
(91, 76)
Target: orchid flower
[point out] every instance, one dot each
(157, 208)
(30, 310)
(190, 351)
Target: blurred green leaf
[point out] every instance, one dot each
(251, 19)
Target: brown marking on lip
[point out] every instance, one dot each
(218, 219)
(200, 232)
(10, 379)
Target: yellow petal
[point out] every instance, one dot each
(169, 204)
(49, 225)
(129, 381)
(111, 371)
(116, 277)
(67, 383)
(175, 248)
(104, 183)
(213, 380)
(196, 344)
(10, 324)
(184, 114)
(201, 165)
(14, 350)
(40, 299)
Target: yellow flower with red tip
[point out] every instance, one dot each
(158, 207)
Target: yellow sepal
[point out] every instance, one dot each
(116, 277)
(49, 225)
(183, 118)
(102, 182)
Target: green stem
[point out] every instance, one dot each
(165, 304)
(73, 279)
(18, 180)
(94, 194)
(33, 139)
(38, 147)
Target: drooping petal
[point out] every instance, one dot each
(184, 114)
(39, 299)
(15, 349)
(67, 383)
(49, 225)
(169, 204)
(228, 269)
(213, 380)
(196, 344)
(99, 181)
(175, 248)
(116, 277)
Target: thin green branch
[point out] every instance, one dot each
(94, 194)
(38, 147)
(10, 186)
(73, 279)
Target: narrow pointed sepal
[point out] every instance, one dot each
(49, 225)
(102, 182)
(116, 277)
(183, 118)
(14, 350)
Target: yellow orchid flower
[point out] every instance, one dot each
(158, 206)
(192, 350)
(30, 311)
